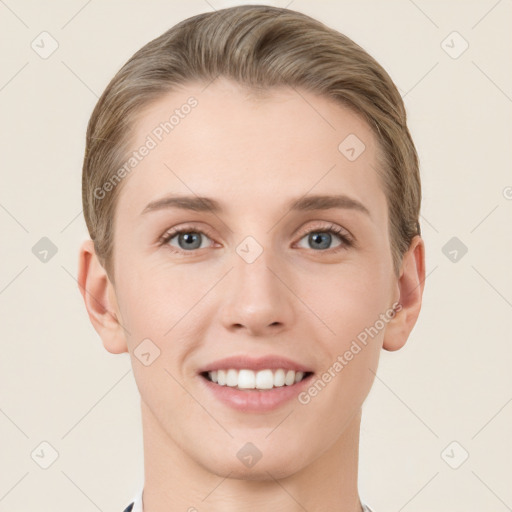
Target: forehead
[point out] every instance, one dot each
(241, 147)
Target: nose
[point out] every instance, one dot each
(258, 298)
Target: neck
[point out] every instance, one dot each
(176, 482)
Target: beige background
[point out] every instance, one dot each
(451, 382)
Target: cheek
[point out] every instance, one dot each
(164, 304)
(155, 297)
(350, 345)
(157, 305)
(347, 302)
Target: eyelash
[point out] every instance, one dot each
(346, 239)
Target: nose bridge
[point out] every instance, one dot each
(255, 253)
(252, 267)
(256, 299)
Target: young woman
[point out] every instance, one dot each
(252, 194)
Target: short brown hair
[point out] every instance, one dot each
(259, 47)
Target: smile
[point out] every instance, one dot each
(261, 380)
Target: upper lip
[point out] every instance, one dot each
(251, 363)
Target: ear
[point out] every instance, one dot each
(410, 286)
(100, 299)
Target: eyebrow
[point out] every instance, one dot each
(306, 203)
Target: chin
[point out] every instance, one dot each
(272, 467)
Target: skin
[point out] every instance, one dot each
(253, 155)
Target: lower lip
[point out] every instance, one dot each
(255, 400)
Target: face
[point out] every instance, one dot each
(264, 273)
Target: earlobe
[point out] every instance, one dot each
(99, 298)
(410, 284)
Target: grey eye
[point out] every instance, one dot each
(320, 240)
(188, 240)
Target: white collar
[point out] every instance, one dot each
(137, 501)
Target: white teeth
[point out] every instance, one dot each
(265, 379)
(279, 378)
(246, 379)
(231, 378)
(290, 378)
(249, 379)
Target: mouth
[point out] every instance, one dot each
(260, 380)
(254, 385)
